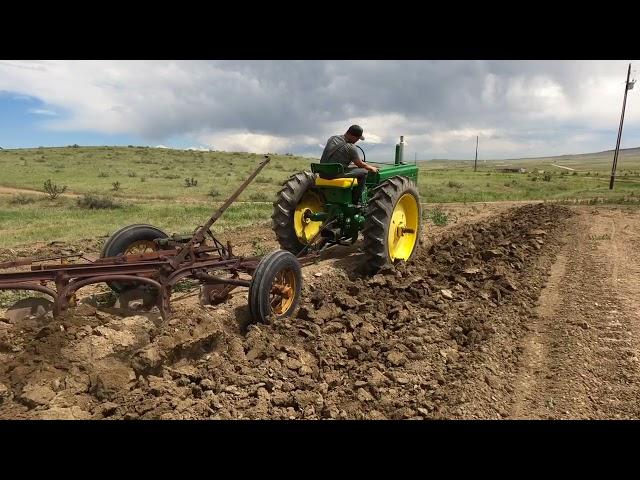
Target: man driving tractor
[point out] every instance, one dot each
(341, 149)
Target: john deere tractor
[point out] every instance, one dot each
(316, 209)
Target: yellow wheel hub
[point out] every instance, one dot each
(140, 247)
(306, 229)
(283, 290)
(403, 231)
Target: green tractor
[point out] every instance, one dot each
(311, 212)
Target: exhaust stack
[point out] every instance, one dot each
(400, 151)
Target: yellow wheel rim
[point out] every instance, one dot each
(305, 229)
(283, 291)
(140, 247)
(403, 230)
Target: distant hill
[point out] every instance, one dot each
(629, 158)
(606, 153)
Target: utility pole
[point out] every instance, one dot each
(627, 86)
(475, 165)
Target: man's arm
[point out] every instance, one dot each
(361, 164)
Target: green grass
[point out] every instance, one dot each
(62, 220)
(162, 199)
(96, 169)
(438, 217)
(486, 185)
(10, 297)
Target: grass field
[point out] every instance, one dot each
(151, 187)
(583, 177)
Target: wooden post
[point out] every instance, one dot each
(475, 165)
(615, 155)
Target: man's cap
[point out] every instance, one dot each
(356, 131)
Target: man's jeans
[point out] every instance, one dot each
(361, 175)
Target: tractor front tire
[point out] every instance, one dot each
(392, 226)
(297, 196)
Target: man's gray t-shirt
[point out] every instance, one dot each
(338, 150)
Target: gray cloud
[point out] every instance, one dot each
(519, 108)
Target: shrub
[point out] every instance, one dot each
(259, 197)
(53, 190)
(185, 285)
(259, 248)
(546, 177)
(213, 193)
(190, 182)
(94, 202)
(22, 199)
(453, 184)
(438, 217)
(103, 175)
(116, 186)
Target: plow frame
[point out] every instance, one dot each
(185, 257)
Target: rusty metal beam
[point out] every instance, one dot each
(198, 237)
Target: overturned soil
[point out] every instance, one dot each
(511, 311)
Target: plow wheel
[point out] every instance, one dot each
(392, 226)
(131, 240)
(275, 286)
(295, 201)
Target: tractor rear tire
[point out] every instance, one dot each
(392, 226)
(138, 237)
(288, 223)
(275, 287)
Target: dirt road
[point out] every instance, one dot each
(511, 311)
(580, 358)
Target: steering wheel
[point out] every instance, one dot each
(364, 159)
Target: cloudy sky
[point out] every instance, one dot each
(518, 108)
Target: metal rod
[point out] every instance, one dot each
(90, 270)
(216, 280)
(615, 155)
(82, 271)
(29, 260)
(199, 236)
(78, 284)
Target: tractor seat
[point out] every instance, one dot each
(333, 172)
(336, 182)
